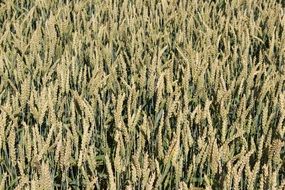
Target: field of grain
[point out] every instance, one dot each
(142, 94)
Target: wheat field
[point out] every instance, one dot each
(142, 94)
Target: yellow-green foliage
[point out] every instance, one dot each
(142, 94)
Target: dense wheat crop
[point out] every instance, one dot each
(142, 94)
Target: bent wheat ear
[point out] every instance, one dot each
(112, 183)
